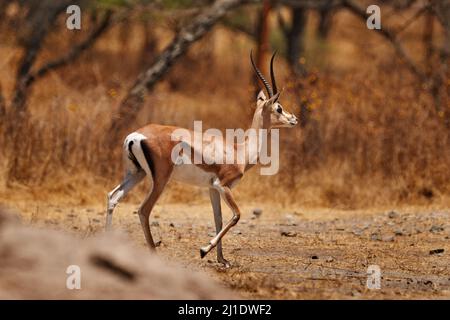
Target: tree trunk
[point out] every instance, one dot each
(295, 40)
(39, 23)
(325, 20)
(263, 40)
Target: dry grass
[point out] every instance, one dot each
(373, 137)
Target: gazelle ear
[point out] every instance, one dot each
(273, 99)
(261, 96)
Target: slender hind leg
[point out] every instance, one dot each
(225, 193)
(130, 180)
(215, 202)
(146, 208)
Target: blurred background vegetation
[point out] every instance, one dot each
(373, 104)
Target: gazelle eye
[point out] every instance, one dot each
(279, 109)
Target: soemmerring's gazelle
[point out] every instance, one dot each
(147, 152)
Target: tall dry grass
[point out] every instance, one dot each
(372, 138)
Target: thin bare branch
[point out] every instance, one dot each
(391, 36)
(76, 51)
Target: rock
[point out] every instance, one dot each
(155, 224)
(289, 216)
(211, 234)
(398, 233)
(436, 229)
(393, 215)
(314, 257)
(329, 259)
(436, 251)
(172, 225)
(237, 232)
(288, 233)
(111, 268)
(388, 238)
(375, 237)
(257, 212)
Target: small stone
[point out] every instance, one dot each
(211, 234)
(398, 232)
(237, 232)
(257, 212)
(329, 259)
(436, 229)
(393, 215)
(436, 251)
(388, 239)
(172, 225)
(155, 224)
(314, 257)
(288, 233)
(375, 237)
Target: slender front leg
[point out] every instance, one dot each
(215, 202)
(225, 193)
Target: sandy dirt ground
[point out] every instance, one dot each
(287, 253)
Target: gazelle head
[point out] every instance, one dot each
(270, 106)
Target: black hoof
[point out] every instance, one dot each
(203, 253)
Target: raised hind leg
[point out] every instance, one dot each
(131, 179)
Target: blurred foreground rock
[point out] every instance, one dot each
(33, 264)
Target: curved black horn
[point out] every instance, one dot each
(272, 74)
(261, 77)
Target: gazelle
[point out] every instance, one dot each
(148, 152)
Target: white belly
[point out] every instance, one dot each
(190, 173)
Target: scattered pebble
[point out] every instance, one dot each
(172, 225)
(314, 257)
(436, 229)
(436, 251)
(398, 233)
(257, 212)
(329, 259)
(288, 233)
(393, 215)
(388, 239)
(155, 224)
(375, 237)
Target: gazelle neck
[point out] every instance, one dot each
(260, 123)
